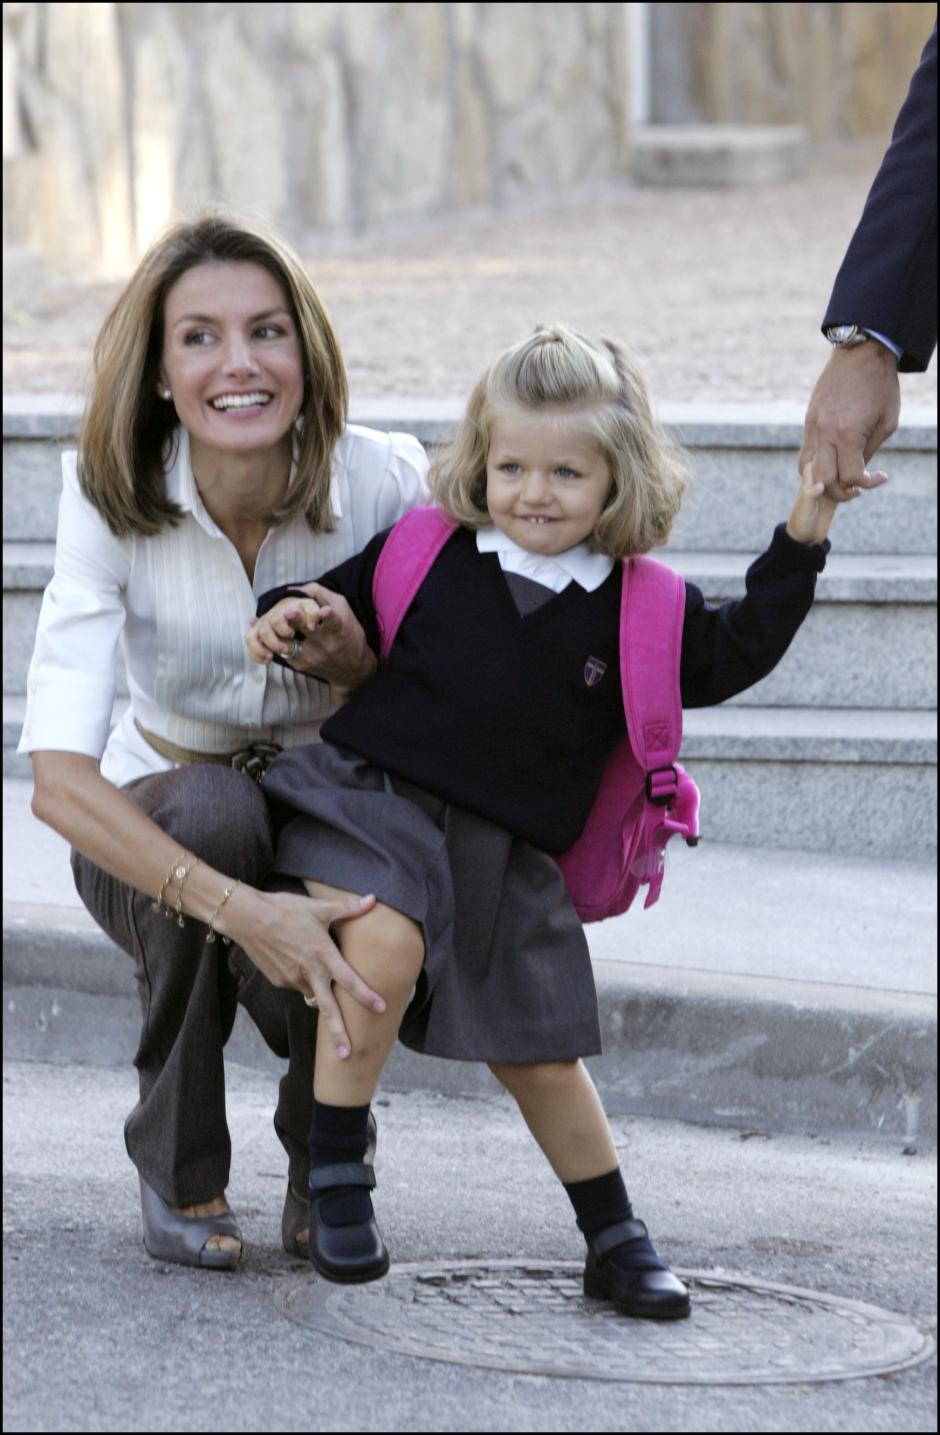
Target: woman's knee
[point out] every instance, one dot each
(217, 813)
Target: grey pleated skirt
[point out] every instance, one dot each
(507, 974)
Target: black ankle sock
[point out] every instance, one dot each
(599, 1202)
(602, 1202)
(340, 1133)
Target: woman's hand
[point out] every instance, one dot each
(287, 937)
(276, 633)
(814, 507)
(333, 644)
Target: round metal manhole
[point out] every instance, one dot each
(532, 1318)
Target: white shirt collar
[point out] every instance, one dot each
(181, 483)
(581, 563)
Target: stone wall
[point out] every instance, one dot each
(836, 69)
(313, 116)
(121, 117)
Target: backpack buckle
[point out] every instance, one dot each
(659, 788)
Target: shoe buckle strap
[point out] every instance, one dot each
(611, 1236)
(343, 1173)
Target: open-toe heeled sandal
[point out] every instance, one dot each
(296, 1218)
(170, 1236)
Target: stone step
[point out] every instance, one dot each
(853, 781)
(717, 156)
(743, 462)
(848, 781)
(869, 641)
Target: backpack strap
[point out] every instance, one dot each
(407, 557)
(652, 615)
(652, 612)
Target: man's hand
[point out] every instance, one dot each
(854, 409)
(814, 507)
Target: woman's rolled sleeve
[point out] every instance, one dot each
(71, 682)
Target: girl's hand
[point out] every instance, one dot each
(334, 645)
(280, 627)
(287, 937)
(336, 648)
(814, 508)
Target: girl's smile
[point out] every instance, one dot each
(546, 479)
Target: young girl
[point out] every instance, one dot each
(445, 782)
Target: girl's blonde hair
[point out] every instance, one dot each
(602, 383)
(126, 428)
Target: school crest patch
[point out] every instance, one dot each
(594, 670)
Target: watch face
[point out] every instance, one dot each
(841, 333)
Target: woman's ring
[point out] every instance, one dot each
(296, 648)
(311, 1001)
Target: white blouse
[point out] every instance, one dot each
(179, 604)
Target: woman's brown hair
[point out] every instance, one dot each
(127, 426)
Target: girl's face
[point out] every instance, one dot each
(231, 357)
(546, 480)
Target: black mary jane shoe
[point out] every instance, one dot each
(648, 1288)
(296, 1214)
(348, 1254)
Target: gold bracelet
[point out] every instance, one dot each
(226, 941)
(179, 877)
(177, 861)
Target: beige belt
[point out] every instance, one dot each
(253, 760)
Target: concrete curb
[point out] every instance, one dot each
(787, 1056)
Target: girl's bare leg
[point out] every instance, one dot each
(564, 1113)
(386, 948)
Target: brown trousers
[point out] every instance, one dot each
(177, 1135)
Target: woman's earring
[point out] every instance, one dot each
(167, 394)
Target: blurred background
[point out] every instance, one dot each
(683, 177)
(677, 175)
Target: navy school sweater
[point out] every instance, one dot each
(490, 709)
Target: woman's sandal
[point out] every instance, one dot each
(170, 1236)
(296, 1218)
(296, 1214)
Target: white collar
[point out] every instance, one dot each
(181, 483)
(581, 563)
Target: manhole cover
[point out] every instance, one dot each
(533, 1318)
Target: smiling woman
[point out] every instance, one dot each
(215, 460)
(235, 375)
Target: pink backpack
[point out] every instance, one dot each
(645, 797)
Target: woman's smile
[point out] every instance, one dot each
(231, 358)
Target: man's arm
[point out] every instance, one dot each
(887, 286)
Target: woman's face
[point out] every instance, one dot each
(231, 357)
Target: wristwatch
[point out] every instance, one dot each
(845, 336)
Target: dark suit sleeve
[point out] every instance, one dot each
(888, 279)
(352, 579)
(729, 648)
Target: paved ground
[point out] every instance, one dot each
(99, 1337)
(722, 292)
